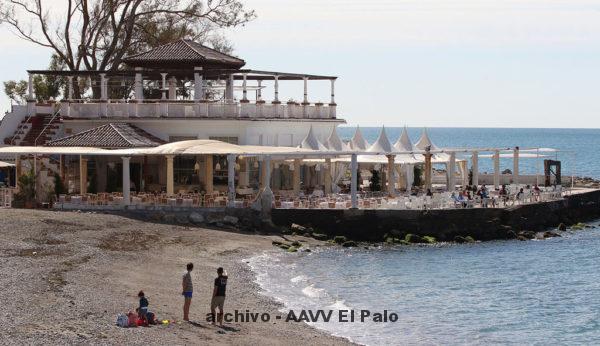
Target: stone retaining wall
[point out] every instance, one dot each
(482, 224)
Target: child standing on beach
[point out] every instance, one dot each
(187, 289)
(143, 308)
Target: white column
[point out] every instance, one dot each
(259, 91)
(296, 177)
(103, 93)
(276, 89)
(172, 88)
(475, 167)
(410, 176)
(139, 84)
(244, 90)
(231, 180)
(170, 175)
(305, 90)
(70, 88)
(267, 162)
(327, 177)
(516, 165)
(164, 86)
(229, 88)
(333, 91)
(30, 94)
(126, 181)
(451, 174)
(390, 176)
(497, 169)
(198, 90)
(82, 174)
(354, 182)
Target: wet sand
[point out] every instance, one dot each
(66, 275)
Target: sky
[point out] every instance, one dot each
(435, 63)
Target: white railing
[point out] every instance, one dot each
(156, 109)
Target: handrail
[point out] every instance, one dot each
(12, 140)
(57, 106)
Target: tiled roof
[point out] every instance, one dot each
(109, 136)
(184, 51)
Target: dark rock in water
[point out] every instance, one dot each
(339, 239)
(309, 230)
(284, 246)
(306, 250)
(460, 239)
(562, 227)
(469, 239)
(521, 238)
(396, 233)
(298, 228)
(429, 239)
(550, 234)
(296, 244)
(510, 234)
(276, 243)
(527, 234)
(414, 239)
(292, 249)
(319, 236)
(349, 243)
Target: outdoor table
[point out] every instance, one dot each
(172, 201)
(287, 205)
(76, 199)
(187, 202)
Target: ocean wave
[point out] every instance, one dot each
(299, 278)
(313, 292)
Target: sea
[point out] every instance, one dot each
(500, 292)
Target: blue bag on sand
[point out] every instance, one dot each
(122, 320)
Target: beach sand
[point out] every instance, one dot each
(66, 275)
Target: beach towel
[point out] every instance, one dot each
(122, 320)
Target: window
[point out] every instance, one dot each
(230, 140)
(183, 170)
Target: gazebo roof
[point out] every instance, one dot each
(382, 144)
(404, 143)
(311, 142)
(334, 142)
(184, 53)
(109, 136)
(358, 142)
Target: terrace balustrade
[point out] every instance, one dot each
(89, 109)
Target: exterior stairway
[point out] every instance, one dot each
(38, 124)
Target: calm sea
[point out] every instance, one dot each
(501, 292)
(579, 147)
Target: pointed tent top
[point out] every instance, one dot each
(382, 144)
(311, 142)
(334, 142)
(424, 141)
(404, 143)
(358, 142)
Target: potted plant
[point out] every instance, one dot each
(25, 198)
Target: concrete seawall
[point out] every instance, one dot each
(482, 224)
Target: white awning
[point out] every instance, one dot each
(6, 164)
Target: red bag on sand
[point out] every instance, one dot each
(139, 322)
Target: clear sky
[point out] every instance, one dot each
(436, 63)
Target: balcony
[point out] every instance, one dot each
(190, 109)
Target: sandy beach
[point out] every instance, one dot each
(66, 275)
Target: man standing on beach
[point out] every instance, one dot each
(218, 298)
(187, 291)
